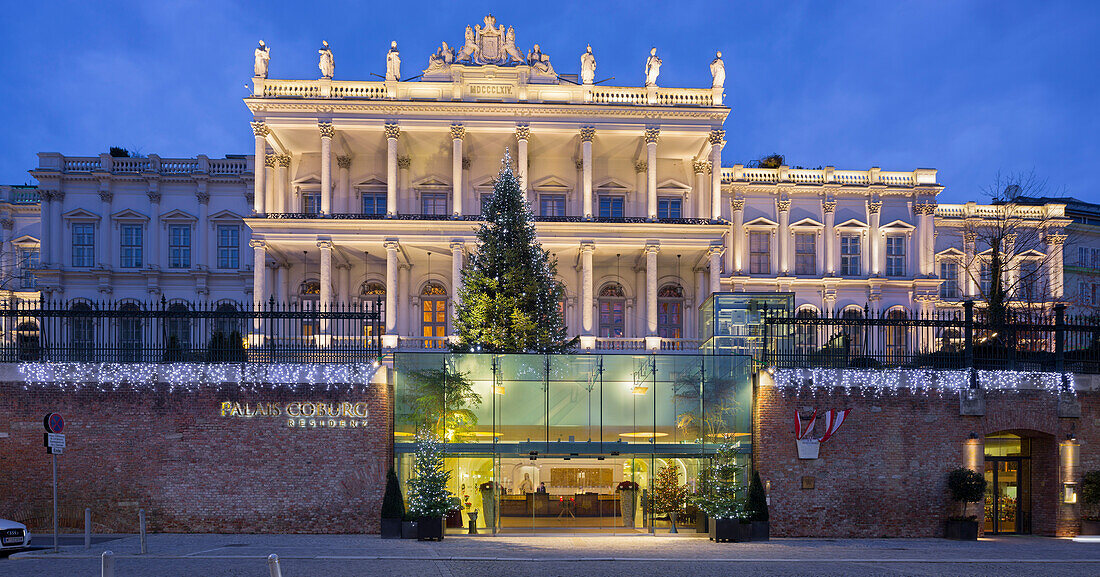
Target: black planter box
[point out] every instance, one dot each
(408, 529)
(391, 528)
(760, 531)
(1090, 527)
(961, 530)
(701, 523)
(429, 529)
(729, 530)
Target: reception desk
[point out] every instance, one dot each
(546, 505)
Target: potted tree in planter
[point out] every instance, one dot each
(429, 499)
(725, 507)
(393, 508)
(668, 494)
(627, 498)
(1090, 498)
(757, 505)
(699, 500)
(966, 486)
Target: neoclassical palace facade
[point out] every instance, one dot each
(358, 189)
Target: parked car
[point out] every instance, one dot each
(13, 535)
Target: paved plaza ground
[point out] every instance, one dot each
(589, 555)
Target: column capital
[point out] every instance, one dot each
(466, 163)
(324, 244)
(737, 204)
(458, 244)
(828, 206)
(343, 162)
(458, 132)
(203, 197)
(715, 249)
(257, 243)
(579, 163)
(154, 197)
(652, 134)
(1055, 238)
(588, 133)
(717, 137)
(260, 129)
(403, 162)
(270, 160)
(588, 246)
(392, 130)
(284, 160)
(873, 206)
(653, 247)
(106, 196)
(701, 166)
(391, 245)
(326, 129)
(928, 208)
(523, 131)
(784, 205)
(641, 166)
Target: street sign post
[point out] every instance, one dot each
(55, 444)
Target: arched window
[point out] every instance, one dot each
(372, 288)
(670, 312)
(854, 330)
(433, 315)
(227, 320)
(371, 294)
(27, 341)
(129, 332)
(897, 336)
(309, 296)
(177, 333)
(82, 332)
(310, 289)
(612, 303)
(805, 334)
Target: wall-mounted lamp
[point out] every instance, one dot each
(1071, 436)
(1069, 493)
(973, 436)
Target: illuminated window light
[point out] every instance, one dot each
(498, 389)
(649, 435)
(639, 390)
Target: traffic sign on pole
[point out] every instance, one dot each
(55, 444)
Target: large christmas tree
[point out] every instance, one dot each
(510, 293)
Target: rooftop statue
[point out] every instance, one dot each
(718, 71)
(263, 57)
(539, 62)
(327, 64)
(652, 68)
(469, 49)
(588, 66)
(510, 50)
(442, 58)
(393, 63)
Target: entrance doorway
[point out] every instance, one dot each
(1008, 484)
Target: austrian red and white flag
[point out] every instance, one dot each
(801, 432)
(833, 420)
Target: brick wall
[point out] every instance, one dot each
(884, 473)
(189, 467)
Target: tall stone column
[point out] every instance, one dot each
(828, 207)
(105, 244)
(1054, 245)
(344, 202)
(392, 133)
(926, 238)
(260, 131)
(259, 266)
(271, 179)
(587, 297)
(327, 133)
(717, 140)
(456, 270)
(701, 206)
(458, 133)
(403, 163)
(641, 168)
(875, 241)
(57, 227)
(326, 273)
(203, 227)
(651, 251)
(402, 294)
(588, 133)
(9, 263)
(714, 253)
(523, 133)
(46, 250)
(652, 135)
(971, 266)
(152, 260)
(391, 288)
(784, 243)
(737, 205)
(281, 176)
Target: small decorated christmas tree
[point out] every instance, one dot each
(428, 494)
(723, 499)
(510, 294)
(668, 493)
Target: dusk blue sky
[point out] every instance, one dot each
(969, 88)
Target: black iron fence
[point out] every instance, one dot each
(967, 338)
(172, 332)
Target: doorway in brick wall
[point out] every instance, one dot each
(1008, 484)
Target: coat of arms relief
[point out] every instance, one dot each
(489, 44)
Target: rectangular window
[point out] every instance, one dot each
(433, 203)
(805, 253)
(1028, 284)
(611, 206)
(1084, 293)
(374, 203)
(179, 246)
(485, 198)
(229, 247)
(895, 255)
(83, 245)
(669, 207)
(552, 204)
(949, 272)
(1095, 258)
(28, 262)
(760, 254)
(130, 257)
(1082, 256)
(850, 250)
(311, 202)
(985, 278)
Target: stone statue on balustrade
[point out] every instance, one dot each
(327, 63)
(539, 62)
(510, 49)
(393, 63)
(442, 59)
(263, 57)
(588, 66)
(718, 71)
(652, 68)
(469, 49)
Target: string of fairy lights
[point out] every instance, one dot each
(192, 377)
(920, 381)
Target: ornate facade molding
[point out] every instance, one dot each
(874, 206)
(783, 204)
(203, 197)
(392, 130)
(466, 163)
(641, 166)
(523, 132)
(588, 133)
(1055, 238)
(269, 160)
(737, 204)
(326, 129)
(458, 131)
(700, 166)
(717, 137)
(828, 206)
(404, 162)
(324, 244)
(343, 162)
(106, 196)
(260, 129)
(652, 134)
(283, 160)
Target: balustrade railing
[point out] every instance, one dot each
(475, 217)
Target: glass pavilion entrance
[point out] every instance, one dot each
(543, 443)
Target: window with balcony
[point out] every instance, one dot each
(612, 303)
(669, 207)
(850, 250)
(670, 312)
(552, 204)
(130, 257)
(805, 253)
(229, 247)
(83, 245)
(611, 206)
(311, 202)
(374, 203)
(433, 203)
(949, 272)
(895, 255)
(760, 254)
(179, 246)
(28, 263)
(433, 315)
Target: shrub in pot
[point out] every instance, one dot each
(724, 505)
(1090, 498)
(757, 509)
(393, 507)
(429, 498)
(966, 486)
(668, 494)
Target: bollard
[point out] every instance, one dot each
(273, 565)
(141, 523)
(107, 564)
(87, 528)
